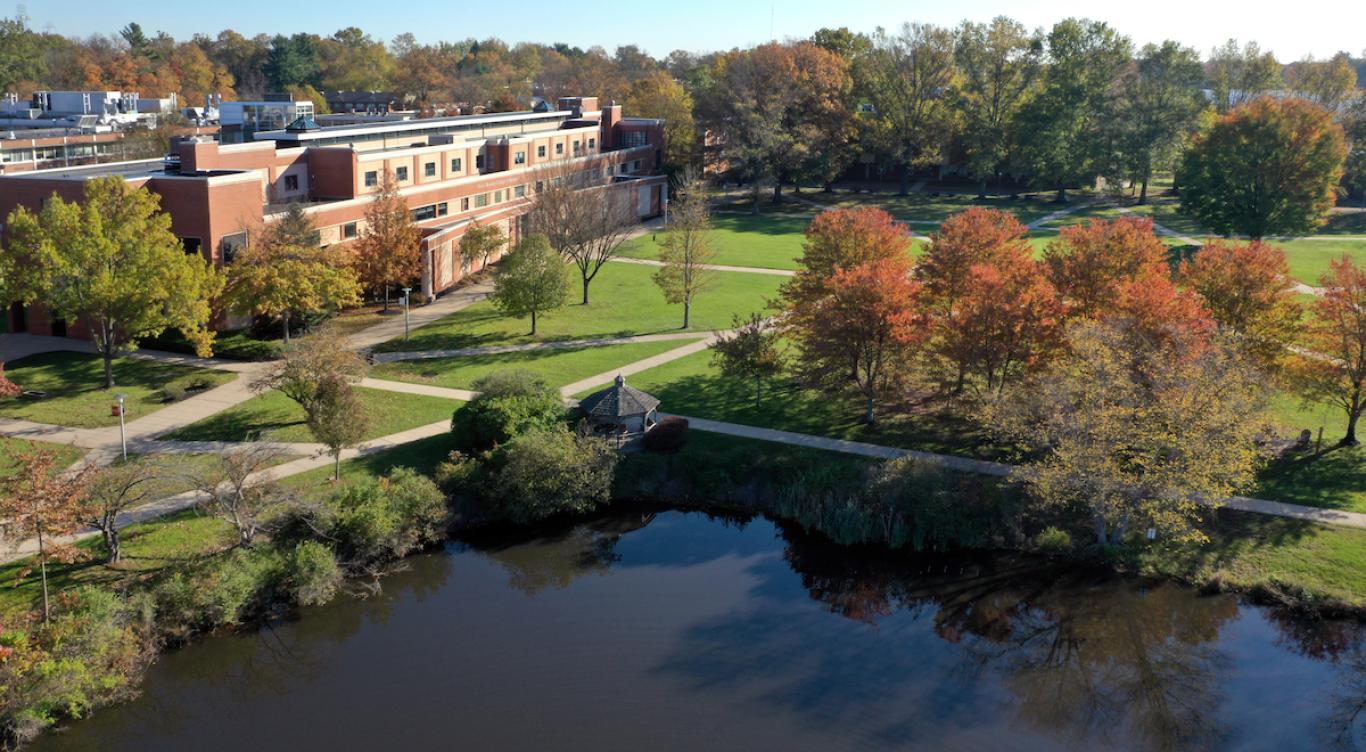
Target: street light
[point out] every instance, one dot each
(123, 433)
(406, 296)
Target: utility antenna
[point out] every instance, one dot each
(771, 38)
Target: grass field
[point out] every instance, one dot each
(66, 454)
(557, 367)
(1309, 259)
(274, 416)
(624, 302)
(74, 384)
(738, 240)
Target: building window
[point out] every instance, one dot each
(291, 182)
(540, 185)
(479, 162)
(371, 179)
(592, 143)
(540, 151)
(611, 169)
(441, 209)
(349, 231)
(455, 165)
(481, 200)
(631, 139)
(559, 148)
(497, 197)
(519, 191)
(519, 157)
(401, 174)
(429, 170)
(424, 213)
(230, 245)
(191, 245)
(465, 204)
(578, 148)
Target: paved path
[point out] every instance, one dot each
(640, 365)
(569, 344)
(1059, 214)
(445, 305)
(425, 390)
(713, 267)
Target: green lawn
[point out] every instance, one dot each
(66, 454)
(73, 382)
(691, 386)
(922, 207)
(272, 415)
(1308, 259)
(764, 242)
(422, 456)
(624, 302)
(1334, 478)
(557, 367)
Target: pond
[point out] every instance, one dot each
(672, 630)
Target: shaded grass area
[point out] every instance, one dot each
(76, 397)
(916, 207)
(1334, 478)
(557, 367)
(273, 415)
(9, 465)
(765, 242)
(1293, 558)
(147, 547)
(422, 456)
(235, 345)
(692, 386)
(624, 302)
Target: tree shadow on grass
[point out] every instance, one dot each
(1332, 479)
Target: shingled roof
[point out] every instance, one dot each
(618, 401)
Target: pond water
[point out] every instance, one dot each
(680, 631)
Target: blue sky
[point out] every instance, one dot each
(1319, 28)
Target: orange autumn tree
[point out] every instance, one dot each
(992, 311)
(1088, 262)
(843, 239)
(1333, 366)
(862, 331)
(1250, 293)
(1154, 314)
(38, 503)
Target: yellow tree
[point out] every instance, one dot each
(687, 251)
(268, 279)
(1333, 366)
(387, 252)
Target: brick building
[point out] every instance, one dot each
(452, 171)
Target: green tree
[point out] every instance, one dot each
(508, 404)
(1270, 167)
(293, 61)
(658, 95)
(315, 372)
(544, 473)
(1158, 105)
(279, 279)
(337, 419)
(1239, 75)
(112, 262)
(907, 77)
(1327, 83)
(687, 251)
(750, 350)
(530, 280)
(999, 64)
(1064, 129)
(482, 242)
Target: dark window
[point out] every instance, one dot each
(519, 158)
(559, 148)
(578, 148)
(481, 200)
(519, 191)
(429, 169)
(423, 213)
(632, 138)
(349, 230)
(479, 162)
(497, 197)
(592, 143)
(191, 245)
(371, 179)
(540, 151)
(291, 182)
(464, 204)
(540, 185)
(401, 173)
(455, 165)
(441, 209)
(230, 245)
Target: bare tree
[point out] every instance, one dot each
(687, 251)
(308, 363)
(237, 489)
(113, 490)
(585, 219)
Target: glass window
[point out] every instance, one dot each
(481, 200)
(578, 148)
(191, 245)
(349, 230)
(519, 191)
(423, 213)
(497, 197)
(592, 143)
(291, 182)
(479, 162)
(371, 179)
(519, 157)
(559, 148)
(540, 151)
(402, 174)
(441, 209)
(464, 204)
(429, 170)
(230, 245)
(455, 165)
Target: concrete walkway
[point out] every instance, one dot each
(606, 377)
(455, 300)
(713, 267)
(569, 344)
(1059, 214)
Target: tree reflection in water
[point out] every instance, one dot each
(553, 558)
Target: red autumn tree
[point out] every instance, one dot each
(1248, 290)
(862, 330)
(843, 239)
(1333, 366)
(992, 312)
(1087, 263)
(8, 388)
(1156, 314)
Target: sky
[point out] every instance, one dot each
(1320, 28)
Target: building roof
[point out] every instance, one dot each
(618, 401)
(302, 124)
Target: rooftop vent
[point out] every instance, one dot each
(302, 124)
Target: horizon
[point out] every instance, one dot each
(661, 30)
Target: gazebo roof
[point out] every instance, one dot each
(618, 401)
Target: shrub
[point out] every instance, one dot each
(510, 403)
(176, 390)
(91, 654)
(669, 436)
(228, 590)
(1054, 540)
(8, 388)
(311, 574)
(537, 475)
(385, 519)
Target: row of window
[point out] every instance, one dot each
(457, 164)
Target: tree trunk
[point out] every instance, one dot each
(112, 544)
(585, 291)
(1061, 198)
(1099, 524)
(107, 351)
(982, 189)
(687, 313)
(533, 323)
(42, 567)
(1351, 438)
(777, 191)
(336, 465)
(869, 412)
(905, 188)
(285, 318)
(758, 390)
(1143, 194)
(754, 205)
(386, 297)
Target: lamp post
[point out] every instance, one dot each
(406, 297)
(123, 433)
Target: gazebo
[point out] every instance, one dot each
(620, 411)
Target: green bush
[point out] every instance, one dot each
(669, 436)
(510, 403)
(228, 590)
(176, 390)
(387, 518)
(1054, 540)
(311, 574)
(90, 654)
(239, 345)
(537, 475)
